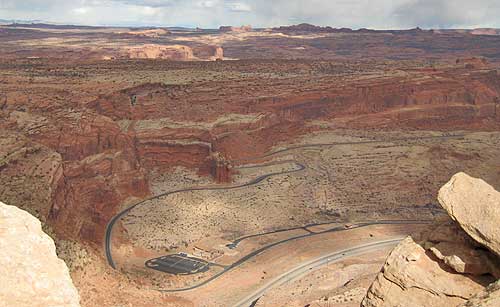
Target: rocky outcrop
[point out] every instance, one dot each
(485, 31)
(221, 168)
(475, 205)
(245, 28)
(169, 52)
(209, 52)
(306, 27)
(74, 172)
(31, 274)
(91, 191)
(155, 33)
(490, 297)
(447, 266)
(410, 277)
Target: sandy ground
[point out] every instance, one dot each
(240, 282)
(342, 183)
(343, 284)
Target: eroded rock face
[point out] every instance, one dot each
(170, 52)
(410, 277)
(475, 205)
(31, 274)
(91, 191)
(490, 297)
(448, 266)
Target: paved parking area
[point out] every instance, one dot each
(178, 264)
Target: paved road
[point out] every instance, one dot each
(259, 251)
(304, 268)
(299, 167)
(112, 222)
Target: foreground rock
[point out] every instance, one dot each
(487, 298)
(31, 273)
(448, 266)
(475, 205)
(410, 277)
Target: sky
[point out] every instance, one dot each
(375, 14)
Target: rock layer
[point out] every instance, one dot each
(449, 266)
(475, 205)
(30, 272)
(411, 277)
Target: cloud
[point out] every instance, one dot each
(80, 10)
(261, 13)
(239, 7)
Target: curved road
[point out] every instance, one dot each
(308, 266)
(300, 167)
(264, 248)
(255, 181)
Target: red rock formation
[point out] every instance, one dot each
(221, 168)
(89, 166)
(79, 134)
(171, 52)
(91, 191)
(209, 52)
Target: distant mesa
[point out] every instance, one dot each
(150, 33)
(209, 52)
(306, 27)
(485, 31)
(246, 28)
(173, 52)
(309, 28)
(151, 51)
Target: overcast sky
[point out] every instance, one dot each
(380, 14)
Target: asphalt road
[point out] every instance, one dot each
(304, 268)
(300, 167)
(259, 251)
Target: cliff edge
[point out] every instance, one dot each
(455, 263)
(31, 274)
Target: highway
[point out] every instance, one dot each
(299, 167)
(305, 268)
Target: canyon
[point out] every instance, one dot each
(94, 120)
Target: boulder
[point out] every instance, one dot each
(466, 259)
(412, 277)
(450, 265)
(31, 274)
(475, 206)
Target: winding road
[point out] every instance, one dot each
(304, 268)
(298, 168)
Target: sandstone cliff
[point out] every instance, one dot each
(454, 262)
(30, 272)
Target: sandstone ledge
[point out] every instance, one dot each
(31, 274)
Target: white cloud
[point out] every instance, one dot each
(238, 7)
(80, 10)
(261, 13)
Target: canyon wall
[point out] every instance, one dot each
(78, 166)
